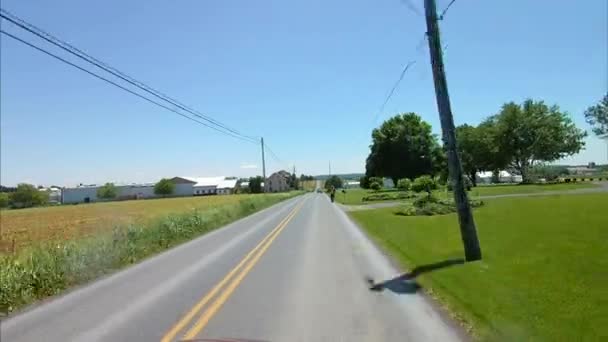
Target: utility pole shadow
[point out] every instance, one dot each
(405, 283)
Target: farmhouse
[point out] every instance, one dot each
(277, 182)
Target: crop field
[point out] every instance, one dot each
(21, 228)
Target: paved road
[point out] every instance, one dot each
(293, 272)
(601, 187)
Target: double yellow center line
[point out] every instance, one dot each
(236, 275)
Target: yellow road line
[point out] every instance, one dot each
(195, 309)
(212, 310)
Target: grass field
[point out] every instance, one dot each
(544, 272)
(355, 196)
(66, 222)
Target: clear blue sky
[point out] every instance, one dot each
(307, 75)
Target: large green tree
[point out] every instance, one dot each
(403, 147)
(164, 187)
(107, 191)
(479, 150)
(597, 117)
(533, 132)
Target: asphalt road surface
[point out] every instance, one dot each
(293, 272)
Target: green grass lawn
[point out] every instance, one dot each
(355, 196)
(544, 273)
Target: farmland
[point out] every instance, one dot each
(95, 239)
(27, 226)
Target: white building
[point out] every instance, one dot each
(208, 185)
(88, 193)
(485, 177)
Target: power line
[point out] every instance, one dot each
(118, 85)
(92, 60)
(274, 155)
(412, 7)
(445, 10)
(390, 94)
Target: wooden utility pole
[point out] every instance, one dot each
(472, 250)
(263, 164)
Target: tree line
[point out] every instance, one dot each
(520, 138)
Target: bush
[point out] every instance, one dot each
(164, 187)
(430, 205)
(4, 200)
(424, 183)
(375, 186)
(404, 184)
(27, 196)
(378, 180)
(107, 191)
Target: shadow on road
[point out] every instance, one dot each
(405, 283)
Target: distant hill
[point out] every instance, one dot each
(343, 176)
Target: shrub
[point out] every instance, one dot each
(375, 186)
(404, 184)
(429, 205)
(27, 196)
(3, 200)
(107, 191)
(164, 187)
(424, 183)
(378, 180)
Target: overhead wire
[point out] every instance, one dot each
(104, 66)
(118, 85)
(390, 94)
(441, 16)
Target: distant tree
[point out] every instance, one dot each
(364, 182)
(27, 195)
(7, 188)
(478, 149)
(335, 181)
(304, 177)
(164, 187)
(533, 132)
(255, 184)
(404, 184)
(107, 191)
(292, 181)
(4, 200)
(597, 117)
(402, 147)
